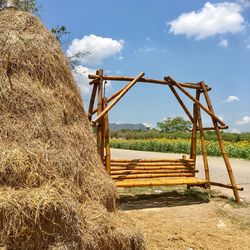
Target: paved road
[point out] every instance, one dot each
(218, 172)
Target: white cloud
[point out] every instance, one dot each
(244, 121)
(211, 20)
(80, 74)
(223, 43)
(146, 49)
(231, 98)
(98, 47)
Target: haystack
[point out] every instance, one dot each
(54, 192)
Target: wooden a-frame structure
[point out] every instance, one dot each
(157, 172)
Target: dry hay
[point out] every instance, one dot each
(54, 193)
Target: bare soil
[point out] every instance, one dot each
(179, 219)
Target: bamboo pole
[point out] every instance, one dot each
(148, 164)
(163, 171)
(160, 182)
(137, 176)
(147, 80)
(194, 134)
(181, 103)
(212, 128)
(107, 142)
(153, 160)
(222, 148)
(203, 149)
(125, 90)
(225, 186)
(170, 80)
(110, 98)
(171, 168)
(92, 101)
(100, 143)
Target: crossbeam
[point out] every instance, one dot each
(145, 80)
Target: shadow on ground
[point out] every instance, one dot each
(164, 199)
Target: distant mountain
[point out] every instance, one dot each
(127, 126)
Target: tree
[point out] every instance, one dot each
(24, 5)
(174, 125)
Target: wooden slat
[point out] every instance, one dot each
(153, 160)
(150, 171)
(135, 176)
(148, 164)
(160, 182)
(116, 168)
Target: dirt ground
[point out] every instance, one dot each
(187, 219)
(175, 218)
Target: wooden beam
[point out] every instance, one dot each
(139, 176)
(222, 147)
(170, 80)
(106, 138)
(203, 148)
(224, 185)
(212, 128)
(150, 171)
(153, 160)
(110, 98)
(160, 182)
(181, 103)
(147, 80)
(125, 90)
(154, 164)
(100, 143)
(193, 152)
(117, 168)
(92, 101)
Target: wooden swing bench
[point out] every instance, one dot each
(157, 172)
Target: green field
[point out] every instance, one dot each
(240, 149)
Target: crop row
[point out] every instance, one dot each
(234, 149)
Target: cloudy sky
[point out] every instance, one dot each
(188, 40)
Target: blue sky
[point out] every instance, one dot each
(188, 40)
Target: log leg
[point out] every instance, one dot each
(106, 138)
(100, 144)
(222, 147)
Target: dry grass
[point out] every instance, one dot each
(54, 192)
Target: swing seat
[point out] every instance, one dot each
(157, 172)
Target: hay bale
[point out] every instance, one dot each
(54, 192)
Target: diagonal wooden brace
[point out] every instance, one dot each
(217, 119)
(117, 99)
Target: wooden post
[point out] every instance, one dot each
(203, 148)
(222, 147)
(100, 143)
(194, 130)
(106, 138)
(92, 101)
